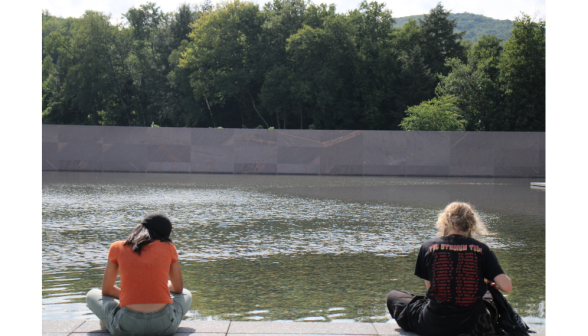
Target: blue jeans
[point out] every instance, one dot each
(126, 322)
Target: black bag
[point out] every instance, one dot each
(507, 321)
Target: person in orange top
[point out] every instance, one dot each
(151, 299)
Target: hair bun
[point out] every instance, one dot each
(159, 223)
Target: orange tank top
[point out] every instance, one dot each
(143, 278)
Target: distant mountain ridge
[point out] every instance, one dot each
(475, 25)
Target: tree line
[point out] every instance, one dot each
(291, 64)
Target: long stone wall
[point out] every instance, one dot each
(313, 152)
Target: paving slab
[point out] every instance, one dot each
(229, 334)
(204, 327)
(539, 331)
(302, 328)
(391, 329)
(60, 326)
(199, 334)
(242, 328)
(92, 327)
(186, 327)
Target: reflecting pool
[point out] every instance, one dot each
(296, 248)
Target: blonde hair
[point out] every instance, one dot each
(460, 217)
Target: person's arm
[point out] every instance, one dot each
(175, 283)
(427, 284)
(503, 283)
(108, 286)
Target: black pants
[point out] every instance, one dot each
(429, 318)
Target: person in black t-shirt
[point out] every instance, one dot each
(454, 266)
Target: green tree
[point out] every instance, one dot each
(476, 86)
(323, 59)
(522, 76)
(486, 53)
(182, 19)
(181, 108)
(223, 57)
(278, 94)
(50, 88)
(470, 86)
(376, 66)
(440, 40)
(415, 82)
(437, 114)
(408, 36)
(146, 63)
(51, 24)
(190, 111)
(89, 73)
(292, 64)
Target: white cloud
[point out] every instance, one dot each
(498, 9)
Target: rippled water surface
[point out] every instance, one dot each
(308, 248)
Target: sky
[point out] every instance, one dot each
(497, 9)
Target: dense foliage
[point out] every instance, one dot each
(290, 64)
(437, 114)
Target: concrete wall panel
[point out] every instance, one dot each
(428, 148)
(472, 140)
(299, 155)
(124, 152)
(254, 138)
(79, 151)
(78, 134)
(212, 137)
(49, 133)
(125, 135)
(480, 171)
(168, 167)
(347, 139)
(427, 170)
(308, 152)
(299, 138)
(256, 154)
(124, 166)
(471, 157)
(169, 136)
(256, 168)
(168, 153)
(519, 140)
(212, 154)
(79, 165)
(304, 169)
(50, 156)
(50, 165)
(386, 170)
(212, 167)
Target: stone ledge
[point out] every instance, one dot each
(241, 328)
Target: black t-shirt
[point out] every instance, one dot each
(456, 266)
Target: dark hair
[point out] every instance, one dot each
(155, 226)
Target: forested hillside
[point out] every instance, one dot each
(474, 25)
(290, 64)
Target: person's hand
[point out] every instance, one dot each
(490, 283)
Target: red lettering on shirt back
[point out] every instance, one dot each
(460, 273)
